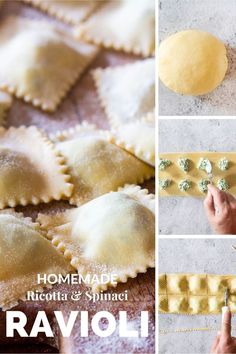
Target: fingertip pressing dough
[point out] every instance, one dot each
(192, 62)
(72, 12)
(5, 104)
(122, 25)
(24, 253)
(31, 170)
(96, 165)
(112, 234)
(43, 69)
(127, 92)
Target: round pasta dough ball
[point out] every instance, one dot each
(192, 62)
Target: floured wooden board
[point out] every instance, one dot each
(175, 174)
(80, 104)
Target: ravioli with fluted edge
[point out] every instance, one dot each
(138, 138)
(72, 12)
(5, 104)
(97, 166)
(31, 170)
(122, 25)
(195, 294)
(112, 234)
(24, 253)
(43, 69)
(127, 92)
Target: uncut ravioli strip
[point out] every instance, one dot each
(46, 66)
(24, 253)
(127, 93)
(31, 170)
(97, 166)
(5, 104)
(112, 234)
(71, 12)
(123, 25)
(174, 173)
(138, 138)
(194, 294)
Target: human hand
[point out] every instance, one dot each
(224, 343)
(220, 208)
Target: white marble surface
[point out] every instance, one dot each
(193, 256)
(185, 215)
(218, 18)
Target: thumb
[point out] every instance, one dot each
(226, 326)
(209, 205)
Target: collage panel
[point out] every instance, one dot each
(196, 280)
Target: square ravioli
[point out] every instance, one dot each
(113, 234)
(72, 12)
(43, 69)
(127, 92)
(127, 25)
(5, 104)
(97, 166)
(138, 138)
(24, 253)
(31, 170)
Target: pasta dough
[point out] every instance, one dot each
(122, 25)
(192, 62)
(43, 69)
(24, 253)
(138, 138)
(69, 11)
(31, 170)
(127, 92)
(112, 234)
(96, 165)
(5, 103)
(195, 175)
(194, 294)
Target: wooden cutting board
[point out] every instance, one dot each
(80, 104)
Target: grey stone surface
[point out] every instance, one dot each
(193, 256)
(182, 215)
(218, 18)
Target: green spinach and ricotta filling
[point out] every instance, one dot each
(203, 185)
(222, 184)
(164, 183)
(223, 164)
(185, 185)
(183, 164)
(163, 164)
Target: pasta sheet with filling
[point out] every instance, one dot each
(127, 25)
(112, 234)
(39, 62)
(195, 294)
(127, 92)
(31, 170)
(97, 166)
(24, 253)
(70, 11)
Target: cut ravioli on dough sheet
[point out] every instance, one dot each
(127, 93)
(112, 234)
(72, 12)
(43, 69)
(31, 170)
(127, 25)
(5, 104)
(24, 253)
(96, 165)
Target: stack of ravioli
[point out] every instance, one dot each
(107, 222)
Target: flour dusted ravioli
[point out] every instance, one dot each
(112, 234)
(96, 165)
(127, 25)
(43, 69)
(24, 253)
(195, 294)
(5, 103)
(138, 138)
(127, 92)
(69, 11)
(31, 171)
